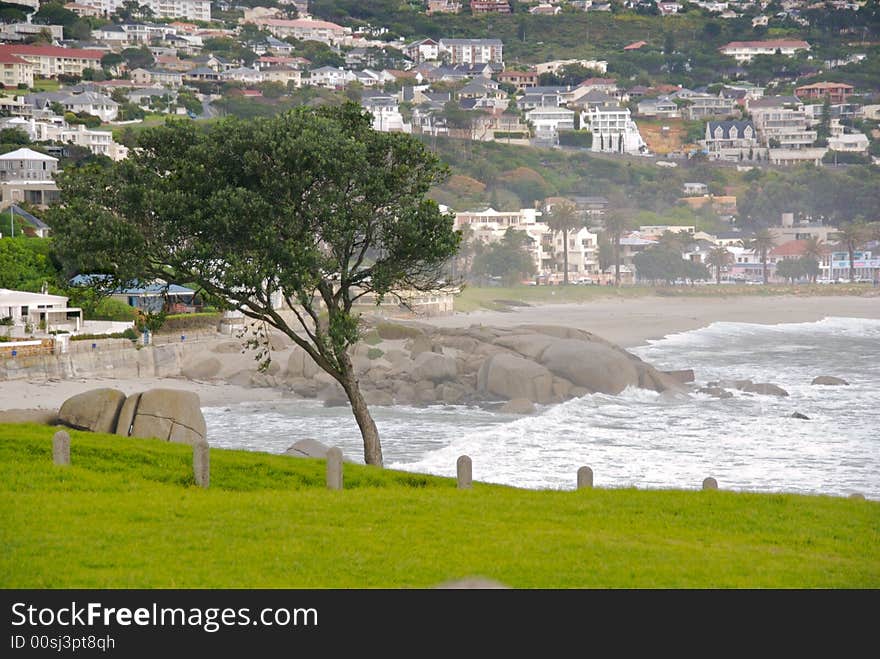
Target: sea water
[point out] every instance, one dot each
(639, 438)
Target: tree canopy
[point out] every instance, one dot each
(311, 206)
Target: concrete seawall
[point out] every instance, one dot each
(149, 361)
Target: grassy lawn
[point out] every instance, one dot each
(473, 298)
(46, 85)
(126, 514)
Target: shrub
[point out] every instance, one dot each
(393, 331)
(374, 353)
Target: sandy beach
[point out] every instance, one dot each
(628, 322)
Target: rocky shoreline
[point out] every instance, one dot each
(418, 364)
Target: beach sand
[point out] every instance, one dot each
(628, 322)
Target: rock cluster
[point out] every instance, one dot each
(168, 414)
(416, 364)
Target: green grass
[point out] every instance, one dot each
(473, 298)
(45, 85)
(126, 514)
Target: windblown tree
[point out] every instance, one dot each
(761, 244)
(562, 219)
(311, 207)
(719, 258)
(852, 236)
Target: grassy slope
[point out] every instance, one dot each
(127, 515)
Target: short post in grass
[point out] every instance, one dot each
(464, 470)
(585, 478)
(334, 468)
(202, 464)
(61, 448)
(710, 484)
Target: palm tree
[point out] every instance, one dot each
(563, 217)
(616, 224)
(814, 248)
(852, 236)
(761, 244)
(718, 258)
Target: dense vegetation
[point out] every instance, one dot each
(268, 521)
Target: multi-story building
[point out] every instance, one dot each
(386, 114)
(424, 50)
(836, 92)
(549, 121)
(522, 80)
(91, 103)
(52, 61)
(700, 106)
(305, 29)
(26, 176)
(15, 71)
(443, 7)
(781, 122)
(199, 10)
(731, 140)
(490, 7)
(613, 130)
(18, 31)
(473, 51)
(744, 51)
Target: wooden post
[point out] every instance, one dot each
(585, 478)
(334, 468)
(202, 464)
(464, 469)
(61, 448)
(710, 484)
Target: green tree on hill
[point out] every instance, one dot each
(303, 214)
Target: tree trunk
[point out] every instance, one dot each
(718, 275)
(369, 432)
(852, 265)
(565, 256)
(764, 269)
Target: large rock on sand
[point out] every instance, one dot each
(510, 376)
(170, 414)
(96, 410)
(594, 366)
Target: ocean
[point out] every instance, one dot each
(639, 438)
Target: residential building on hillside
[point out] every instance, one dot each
(549, 121)
(15, 71)
(91, 103)
(424, 50)
(52, 61)
(198, 10)
(26, 176)
(521, 80)
(700, 106)
(490, 7)
(836, 92)
(613, 130)
(473, 51)
(744, 51)
(305, 29)
(781, 122)
(731, 140)
(386, 114)
(443, 7)
(18, 31)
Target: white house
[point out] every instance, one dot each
(27, 165)
(744, 51)
(386, 114)
(548, 121)
(39, 310)
(613, 130)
